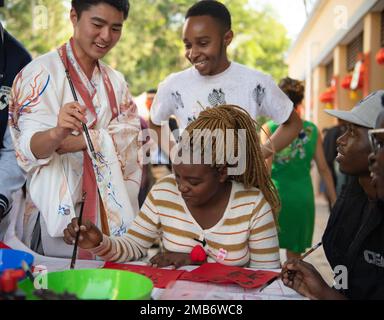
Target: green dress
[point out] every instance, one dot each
(291, 175)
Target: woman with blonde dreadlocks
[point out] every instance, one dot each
(217, 211)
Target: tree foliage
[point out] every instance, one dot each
(151, 47)
(40, 25)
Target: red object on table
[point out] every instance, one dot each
(198, 254)
(3, 246)
(219, 273)
(208, 272)
(160, 277)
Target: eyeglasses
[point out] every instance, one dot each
(376, 142)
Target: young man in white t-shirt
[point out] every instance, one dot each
(214, 80)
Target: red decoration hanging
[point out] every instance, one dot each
(346, 82)
(328, 96)
(380, 56)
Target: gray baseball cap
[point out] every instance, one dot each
(365, 112)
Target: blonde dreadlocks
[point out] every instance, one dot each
(233, 117)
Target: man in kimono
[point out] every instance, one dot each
(65, 164)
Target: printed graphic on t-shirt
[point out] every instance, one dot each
(259, 94)
(375, 258)
(216, 97)
(4, 97)
(191, 119)
(176, 96)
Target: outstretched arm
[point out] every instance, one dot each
(264, 137)
(131, 246)
(284, 135)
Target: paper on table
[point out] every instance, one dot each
(185, 290)
(160, 277)
(219, 273)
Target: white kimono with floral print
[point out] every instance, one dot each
(55, 183)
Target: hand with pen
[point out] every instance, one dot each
(70, 119)
(90, 235)
(303, 277)
(44, 143)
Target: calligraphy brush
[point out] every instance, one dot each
(278, 276)
(27, 271)
(74, 254)
(85, 128)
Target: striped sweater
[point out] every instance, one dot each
(246, 231)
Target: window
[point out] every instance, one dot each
(329, 73)
(353, 49)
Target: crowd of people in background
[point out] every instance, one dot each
(70, 141)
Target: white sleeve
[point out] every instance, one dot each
(163, 105)
(34, 107)
(276, 105)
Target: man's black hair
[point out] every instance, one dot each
(152, 91)
(212, 8)
(82, 5)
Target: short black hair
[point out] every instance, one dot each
(212, 8)
(152, 91)
(294, 89)
(82, 5)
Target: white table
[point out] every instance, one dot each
(180, 290)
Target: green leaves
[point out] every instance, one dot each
(150, 47)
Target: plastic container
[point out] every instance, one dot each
(95, 284)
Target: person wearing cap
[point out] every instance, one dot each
(354, 238)
(13, 57)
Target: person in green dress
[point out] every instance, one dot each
(291, 175)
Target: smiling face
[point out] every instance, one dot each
(206, 44)
(199, 183)
(377, 159)
(96, 31)
(353, 149)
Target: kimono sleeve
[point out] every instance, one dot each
(34, 107)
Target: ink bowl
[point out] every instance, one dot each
(88, 284)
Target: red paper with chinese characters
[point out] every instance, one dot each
(160, 277)
(219, 273)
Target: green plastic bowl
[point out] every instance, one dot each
(95, 284)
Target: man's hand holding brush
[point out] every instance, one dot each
(90, 235)
(303, 277)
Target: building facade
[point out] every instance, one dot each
(340, 55)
